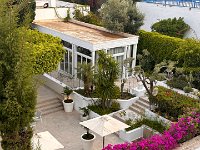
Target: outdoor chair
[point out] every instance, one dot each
(38, 116)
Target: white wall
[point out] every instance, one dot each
(155, 12)
(57, 13)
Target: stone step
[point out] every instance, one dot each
(118, 118)
(50, 106)
(53, 110)
(136, 110)
(136, 105)
(142, 104)
(48, 102)
(144, 99)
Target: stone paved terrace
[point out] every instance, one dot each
(66, 129)
(65, 126)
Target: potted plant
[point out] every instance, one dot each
(85, 113)
(67, 102)
(87, 140)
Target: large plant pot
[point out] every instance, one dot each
(84, 118)
(68, 105)
(87, 143)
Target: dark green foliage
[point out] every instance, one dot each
(106, 75)
(171, 27)
(135, 20)
(86, 71)
(154, 124)
(178, 82)
(161, 47)
(17, 87)
(98, 108)
(26, 11)
(187, 89)
(173, 103)
(67, 91)
(126, 96)
(91, 18)
(121, 16)
(82, 92)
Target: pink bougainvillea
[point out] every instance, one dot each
(185, 129)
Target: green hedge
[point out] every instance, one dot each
(154, 124)
(47, 51)
(173, 103)
(160, 46)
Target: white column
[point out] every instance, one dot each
(93, 58)
(128, 55)
(124, 69)
(134, 55)
(74, 60)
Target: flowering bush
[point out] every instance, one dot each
(186, 128)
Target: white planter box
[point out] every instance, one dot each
(124, 104)
(93, 114)
(131, 135)
(152, 116)
(81, 101)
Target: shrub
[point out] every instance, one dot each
(187, 89)
(177, 82)
(89, 18)
(154, 124)
(161, 47)
(188, 54)
(173, 103)
(171, 27)
(47, 51)
(97, 108)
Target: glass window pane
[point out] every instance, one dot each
(62, 65)
(78, 58)
(84, 51)
(67, 44)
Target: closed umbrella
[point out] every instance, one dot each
(104, 125)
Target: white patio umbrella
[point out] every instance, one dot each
(104, 125)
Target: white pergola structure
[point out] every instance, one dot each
(81, 42)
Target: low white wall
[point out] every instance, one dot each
(52, 83)
(57, 13)
(124, 104)
(81, 101)
(92, 115)
(155, 12)
(152, 116)
(132, 135)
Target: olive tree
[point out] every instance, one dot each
(121, 15)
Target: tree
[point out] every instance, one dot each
(17, 87)
(86, 71)
(161, 71)
(26, 12)
(171, 27)
(121, 15)
(105, 77)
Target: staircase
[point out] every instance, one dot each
(140, 105)
(49, 106)
(138, 108)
